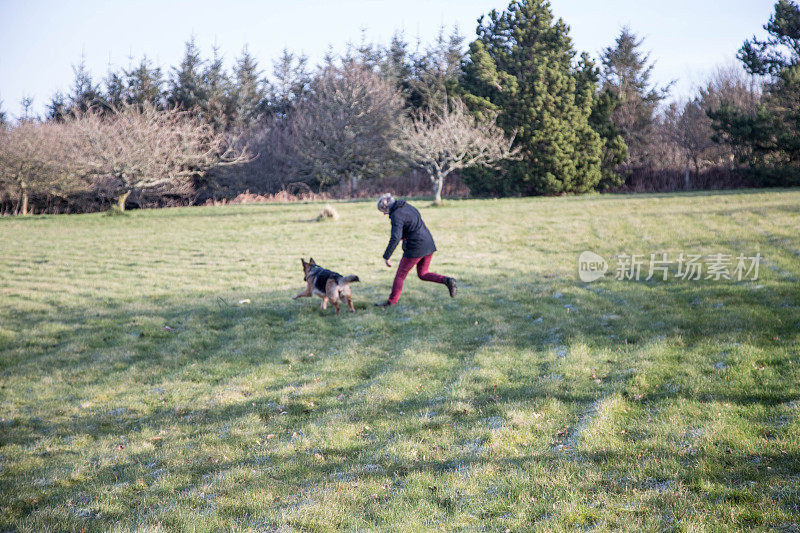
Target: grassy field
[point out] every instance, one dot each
(137, 391)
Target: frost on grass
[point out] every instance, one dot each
(493, 422)
(436, 413)
(560, 351)
(570, 437)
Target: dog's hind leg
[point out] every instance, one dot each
(332, 294)
(334, 299)
(324, 303)
(345, 295)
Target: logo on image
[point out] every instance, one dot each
(591, 266)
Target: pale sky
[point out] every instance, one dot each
(40, 40)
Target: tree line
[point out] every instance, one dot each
(520, 112)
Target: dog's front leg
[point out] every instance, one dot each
(303, 294)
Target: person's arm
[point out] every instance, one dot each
(395, 237)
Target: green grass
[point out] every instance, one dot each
(136, 392)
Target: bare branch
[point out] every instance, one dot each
(449, 139)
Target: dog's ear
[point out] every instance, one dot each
(311, 261)
(303, 261)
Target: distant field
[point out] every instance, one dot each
(136, 392)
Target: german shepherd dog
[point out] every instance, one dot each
(328, 285)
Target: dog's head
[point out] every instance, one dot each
(307, 266)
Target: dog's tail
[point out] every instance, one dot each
(350, 279)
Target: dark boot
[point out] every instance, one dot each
(383, 304)
(451, 286)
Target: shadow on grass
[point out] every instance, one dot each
(209, 342)
(613, 315)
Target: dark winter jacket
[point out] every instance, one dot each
(407, 225)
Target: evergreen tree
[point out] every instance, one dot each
(364, 55)
(329, 59)
(626, 71)
(248, 91)
(768, 138)
(144, 85)
(446, 55)
(85, 93)
(290, 82)
(438, 71)
(397, 66)
(424, 78)
(58, 107)
(116, 89)
(217, 109)
(27, 103)
(454, 53)
(781, 49)
(783, 99)
(615, 151)
(521, 65)
(603, 104)
(186, 82)
(396, 61)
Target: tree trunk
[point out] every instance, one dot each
(686, 182)
(122, 199)
(438, 184)
(353, 185)
(24, 200)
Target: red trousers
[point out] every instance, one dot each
(405, 266)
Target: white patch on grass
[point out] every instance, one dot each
(493, 423)
(585, 419)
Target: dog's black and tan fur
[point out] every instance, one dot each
(328, 285)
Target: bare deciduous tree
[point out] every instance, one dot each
(344, 128)
(731, 84)
(144, 148)
(38, 160)
(19, 160)
(689, 128)
(137, 148)
(450, 139)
